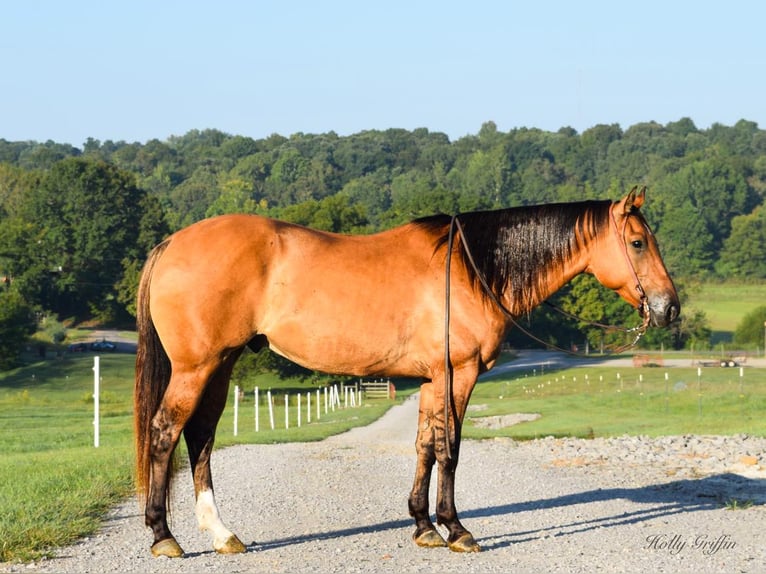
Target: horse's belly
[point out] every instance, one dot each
(338, 354)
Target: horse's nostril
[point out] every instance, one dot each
(672, 314)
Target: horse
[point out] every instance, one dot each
(431, 299)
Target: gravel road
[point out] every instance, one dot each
(627, 504)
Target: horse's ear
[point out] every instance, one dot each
(634, 199)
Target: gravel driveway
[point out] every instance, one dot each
(610, 505)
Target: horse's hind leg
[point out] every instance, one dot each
(425, 533)
(200, 435)
(178, 403)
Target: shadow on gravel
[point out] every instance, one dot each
(665, 499)
(659, 500)
(342, 533)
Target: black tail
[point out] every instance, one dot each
(152, 373)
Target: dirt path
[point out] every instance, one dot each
(341, 506)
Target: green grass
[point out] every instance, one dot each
(593, 402)
(726, 304)
(56, 486)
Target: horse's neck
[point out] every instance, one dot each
(548, 279)
(550, 283)
(555, 281)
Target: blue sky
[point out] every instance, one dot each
(140, 70)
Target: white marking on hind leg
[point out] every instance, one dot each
(209, 519)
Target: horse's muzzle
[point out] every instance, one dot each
(662, 312)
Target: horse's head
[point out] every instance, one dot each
(631, 263)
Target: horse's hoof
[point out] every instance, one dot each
(233, 545)
(429, 539)
(167, 547)
(464, 543)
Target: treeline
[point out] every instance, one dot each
(77, 223)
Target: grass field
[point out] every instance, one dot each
(726, 304)
(591, 402)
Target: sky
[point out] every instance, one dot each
(151, 69)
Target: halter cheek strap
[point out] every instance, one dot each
(643, 301)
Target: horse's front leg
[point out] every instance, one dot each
(425, 534)
(447, 454)
(459, 539)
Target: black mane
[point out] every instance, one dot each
(517, 248)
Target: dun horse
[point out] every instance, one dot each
(362, 305)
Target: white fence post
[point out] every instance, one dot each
(287, 412)
(271, 409)
(255, 393)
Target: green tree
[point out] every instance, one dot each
(254, 169)
(751, 329)
(415, 194)
(190, 200)
(236, 197)
(744, 251)
(334, 213)
(287, 171)
(586, 299)
(591, 163)
(17, 323)
(267, 361)
(692, 329)
(15, 185)
(699, 201)
(86, 223)
(688, 245)
(372, 192)
(152, 229)
(45, 155)
(485, 181)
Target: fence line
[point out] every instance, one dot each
(654, 388)
(352, 398)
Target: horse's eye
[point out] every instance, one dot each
(637, 243)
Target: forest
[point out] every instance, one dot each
(77, 223)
